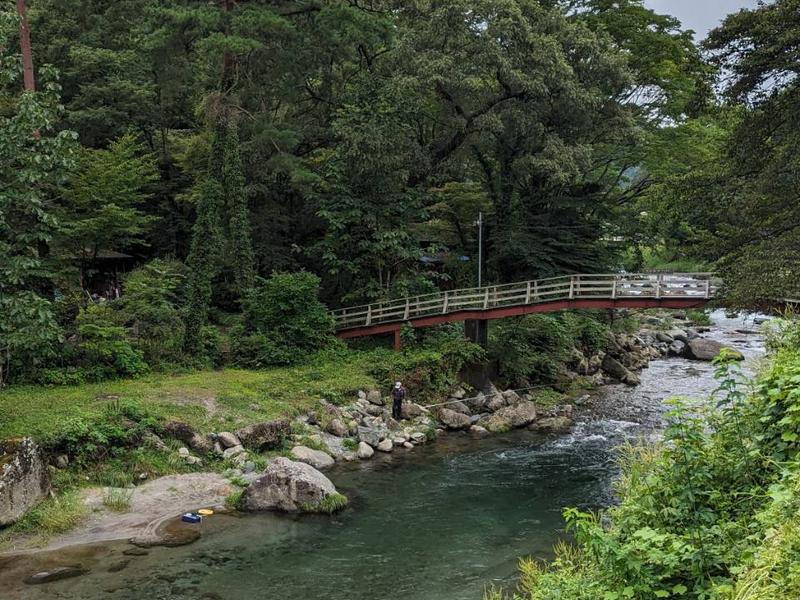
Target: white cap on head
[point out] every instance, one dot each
(398, 384)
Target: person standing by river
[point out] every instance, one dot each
(398, 395)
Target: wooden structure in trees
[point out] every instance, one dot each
(475, 306)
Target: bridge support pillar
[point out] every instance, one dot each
(477, 331)
(396, 340)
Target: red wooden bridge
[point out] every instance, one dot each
(475, 306)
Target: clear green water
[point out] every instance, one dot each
(442, 522)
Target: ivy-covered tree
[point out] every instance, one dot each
(239, 244)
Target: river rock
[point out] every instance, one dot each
(676, 348)
(374, 410)
(411, 410)
(316, 458)
(374, 397)
(478, 431)
(56, 574)
(372, 435)
(476, 403)
(288, 486)
(385, 445)
(24, 479)
(459, 407)
(408, 445)
(495, 403)
(337, 427)
(264, 436)
(617, 370)
(418, 437)
(706, 349)
(398, 441)
(365, 450)
(511, 397)
(553, 424)
(228, 440)
(459, 393)
(678, 334)
(663, 336)
(518, 415)
(233, 451)
(452, 419)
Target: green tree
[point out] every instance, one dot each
(34, 158)
(105, 199)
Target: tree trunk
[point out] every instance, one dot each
(25, 45)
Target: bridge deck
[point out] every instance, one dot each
(675, 290)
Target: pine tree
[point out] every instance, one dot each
(240, 247)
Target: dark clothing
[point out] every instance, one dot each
(398, 394)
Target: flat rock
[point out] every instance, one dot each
(478, 431)
(552, 424)
(372, 435)
(56, 574)
(459, 407)
(316, 458)
(385, 445)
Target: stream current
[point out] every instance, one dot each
(442, 522)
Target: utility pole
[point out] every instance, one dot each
(479, 223)
(25, 46)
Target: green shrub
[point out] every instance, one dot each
(149, 308)
(529, 349)
(103, 347)
(234, 500)
(698, 316)
(283, 322)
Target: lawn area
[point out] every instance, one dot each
(208, 400)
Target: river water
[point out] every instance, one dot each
(440, 523)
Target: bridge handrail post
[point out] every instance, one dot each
(659, 281)
(708, 289)
(407, 311)
(444, 304)
(486, 299)
(369, 315)
(572, 287)
(528, 292)
(614, 288)
(536, 291)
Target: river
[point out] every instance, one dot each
(440, 523)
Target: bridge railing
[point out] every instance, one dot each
(568, 287)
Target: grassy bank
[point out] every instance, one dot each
(711, 512)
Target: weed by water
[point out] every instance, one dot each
(53, 515)
(329, 505)
(234, 500)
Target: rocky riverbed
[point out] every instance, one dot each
(363, 431)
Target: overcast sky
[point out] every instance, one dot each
(700, 15)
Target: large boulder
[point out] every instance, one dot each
(495, 403)
(679, 335)
(706, 349)
(459, 407)
(316, 458)
(288, 486)
(453, 420)
(264, 436)
(411, 410)
(476, 403)
(617, 370)
(374, 397)
(521, 414)
(24, 479)
(372, 435)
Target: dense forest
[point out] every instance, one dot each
(182, 168)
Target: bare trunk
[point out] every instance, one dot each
(25, 45)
